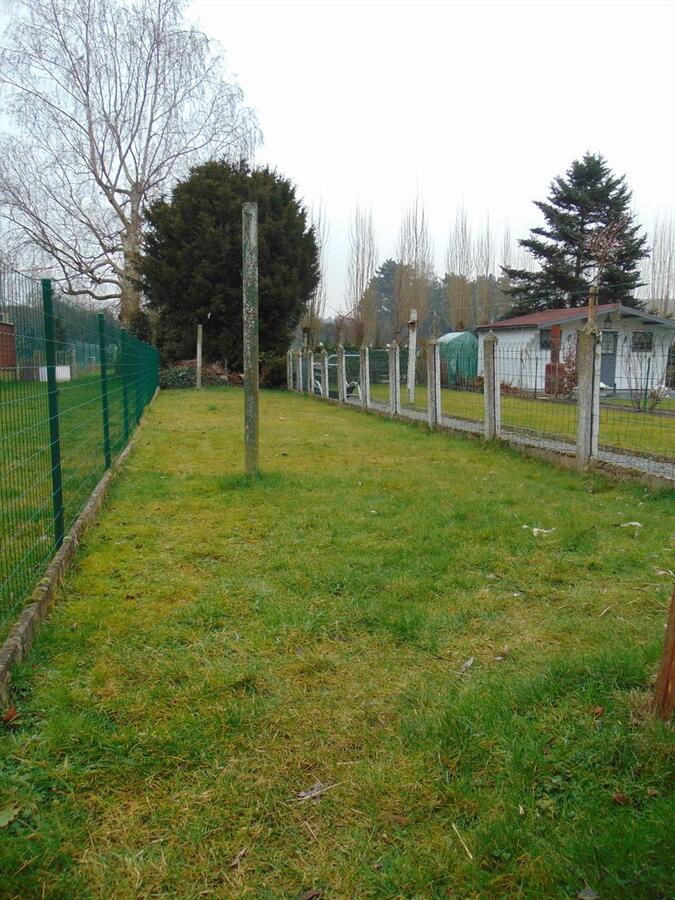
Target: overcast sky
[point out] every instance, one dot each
(478, 103)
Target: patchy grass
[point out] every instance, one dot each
(223, 644)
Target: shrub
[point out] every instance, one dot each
(177, 377)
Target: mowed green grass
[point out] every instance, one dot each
(222, 645)
(622, 429)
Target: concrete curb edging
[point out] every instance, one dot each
(18, 643)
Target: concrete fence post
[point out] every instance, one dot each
(412, 354)
(588, 393)
(310, 372)
(491, 387)
(433, 383)
(298, 371)
(325, 385)
(394, 379)
(289, 370)
(249, 220)
(341, 374)
(198, 377)
(364, 376)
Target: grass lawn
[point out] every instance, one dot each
(619, 428)
(223, 645)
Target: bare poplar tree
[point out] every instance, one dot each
(459, 268)
(311, 320)
(111, 101)
(360, 270)
(659, 270)
(415, 268)
(484, 262)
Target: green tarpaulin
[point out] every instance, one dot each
(459, 352)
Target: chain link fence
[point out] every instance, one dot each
(73, 387)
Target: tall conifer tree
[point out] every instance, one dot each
(590, 197)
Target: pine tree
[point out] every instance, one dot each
(589, 198)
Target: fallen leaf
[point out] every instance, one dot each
(397, 820)
(504, 653)
(8, 815)
(10, 715)
(521, 810)
(666, 572)
(588, 894)
(238, 858)
(620, 799)
(537, 531)
(598, 710)
(466, 666)
(310, 895)
(630, 525)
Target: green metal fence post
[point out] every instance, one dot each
(53, 401)
(124, 354)
(104, 391)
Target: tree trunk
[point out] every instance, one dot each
(130, 302)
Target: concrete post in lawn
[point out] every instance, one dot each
(298, 371)
(341, 374)
(588, 393)
(198, 379)
(289, 370)
(364, 376)
(325, 386)
(433, 383)
(412, 354)
(310, 372)
(394, 379)
(249, 221)
(491, 387)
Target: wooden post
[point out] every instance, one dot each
(664, 693)
(249, 221)
(412, 354)
(198, 382)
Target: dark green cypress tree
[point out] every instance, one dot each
(191, 266)
(590, 197)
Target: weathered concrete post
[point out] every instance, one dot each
(588, 393)
(364, 376)
(394, 379)
(289, 370)
(298, 371)
(433, 383)
(249, 221)
(341, 374)
(491, 387)
(310, 372)
(412, 354)
(325, 386)
(198, 379)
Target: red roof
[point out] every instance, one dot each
(553, 316)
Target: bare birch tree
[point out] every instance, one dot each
(360, 270)
(111, 101)
(311, 320)
(415, 268)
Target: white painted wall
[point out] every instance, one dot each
(523, 364)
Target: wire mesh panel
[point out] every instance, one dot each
(378, 370)
(414, 392)
(461, 385)
(352, 371)
(538, 396)
(73, 386)
(637, 394)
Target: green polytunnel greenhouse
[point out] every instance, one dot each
(459, 353)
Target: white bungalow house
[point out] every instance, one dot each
(637, 348)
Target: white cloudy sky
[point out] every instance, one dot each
(474, 103)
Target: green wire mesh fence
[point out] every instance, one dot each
(73, 387)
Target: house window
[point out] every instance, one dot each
(642, 341)
(545, 339)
